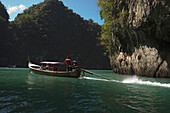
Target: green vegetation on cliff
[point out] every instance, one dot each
(111, 15)
(4, 35)
(106, 13)
(136, 36)
(51, 31)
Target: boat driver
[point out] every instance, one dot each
(68, 63)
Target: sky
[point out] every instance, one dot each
(85, 8)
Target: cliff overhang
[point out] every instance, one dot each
(141, 38)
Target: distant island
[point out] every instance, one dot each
(50, 31)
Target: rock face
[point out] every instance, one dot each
(141, 38)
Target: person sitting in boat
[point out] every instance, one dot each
(42, 67)
(68, 63)
(75, 65)
(47, 67)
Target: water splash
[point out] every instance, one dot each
(133, 80)
(136, 80)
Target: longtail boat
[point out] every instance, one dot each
(54, 69)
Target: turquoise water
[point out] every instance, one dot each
(23, 91)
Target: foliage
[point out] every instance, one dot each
(106, 13)
(106, 10)
(49, 30)
(3, 19)
(3, 12)
(113, 17)
(4, 35)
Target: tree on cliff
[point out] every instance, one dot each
(106, 13)
(49, 30)
(138, 36)
(4, 35)
(112, 16)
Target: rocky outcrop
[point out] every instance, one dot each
(141, 38)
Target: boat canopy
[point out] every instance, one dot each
(47, 62)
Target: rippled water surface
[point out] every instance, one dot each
(23, 91)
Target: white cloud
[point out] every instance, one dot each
(15, 8)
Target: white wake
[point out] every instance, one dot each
(90, 78)
(136, 80)
(133, 80)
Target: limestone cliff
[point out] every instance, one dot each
(141, 38)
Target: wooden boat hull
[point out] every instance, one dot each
(74, 74)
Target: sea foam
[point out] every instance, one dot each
(133, 80)
(136, 80)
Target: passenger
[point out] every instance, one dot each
(68, 63)
(47, 67)
(75, 65)
(55, 68)
(51, 68)
(42, 67)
